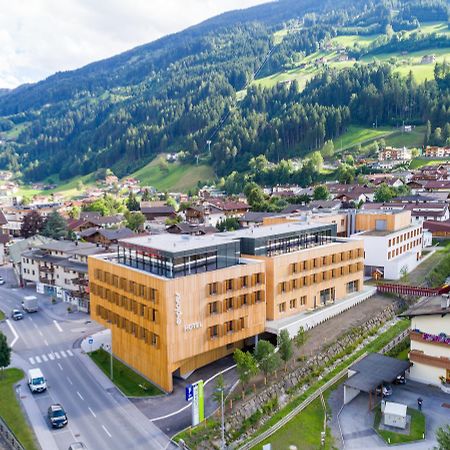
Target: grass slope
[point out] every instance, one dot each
(11, 411)
(416, 163)
(413, 139)
(179, 177)
(360, 135)
(126, 379)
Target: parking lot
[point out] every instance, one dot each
(356, 420)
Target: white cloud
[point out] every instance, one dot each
(40, 37)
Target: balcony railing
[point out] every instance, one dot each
(440, 339)
(417, 356)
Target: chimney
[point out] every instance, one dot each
(445, 301)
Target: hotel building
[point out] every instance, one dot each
(176, 303)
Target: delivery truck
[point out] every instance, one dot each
(30, 304)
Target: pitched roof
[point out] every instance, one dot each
(436, 226)
(3, 219)
(158, 209)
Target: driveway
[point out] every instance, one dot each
(356, 421)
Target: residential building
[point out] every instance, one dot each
(395, 154)
(392, 242)
(439, 230)
(175, 303)
(158, 212)
(430, 341)
(59, 268)
(105, 236)
(437, 152)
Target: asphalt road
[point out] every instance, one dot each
(99, 418)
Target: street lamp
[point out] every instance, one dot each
(221, 389)
(111, 356)
(209, 145)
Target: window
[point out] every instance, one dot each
(229, 303)
(212, 288)
(214, 331)
(283, 286)
(229, 285)
(294, 268)
(293, 303)
(258, 278)
(213, 308)
(352, 286)
(244, 281)
(258, 296)
(303, 300)
(282, 307)
(229, 326)
(244, 300)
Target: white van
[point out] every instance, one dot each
(36, 380)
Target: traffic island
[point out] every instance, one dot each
(130, 383)
(414, 431)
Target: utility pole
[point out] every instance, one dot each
(223, 420)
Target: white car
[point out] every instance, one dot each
(2, 281)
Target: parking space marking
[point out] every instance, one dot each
(92, 412)
(79, 395)
(69, 380)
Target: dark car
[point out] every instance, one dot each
(57, 416)
(400, 380)
(77, 446)
(16, 314)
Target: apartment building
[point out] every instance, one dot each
(395, 154)
(175, 303)
(59, 268)
(437, 152)
(392, 243)
(430, 341)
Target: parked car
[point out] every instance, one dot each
(57, 416)
(387, 390)
(16, 314)
(400, 380)
(77, 446)
(36, 380)
(2, 281)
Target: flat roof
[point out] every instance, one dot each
(172, 243)
(275, 230)
(397, 409)
(374, 370)
(387, 232)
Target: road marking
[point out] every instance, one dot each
(40, 332)
(63, 353)
(31, 359)
(69, 353)
(60, 366)
(106, 431)
(38, 360)
(13, 331)
(51, 356)
(92, 412)
(58, 326)
(44, 357)
(57, 355)
(69, 380)
(79, 395)
(30, 319)
(45, 342)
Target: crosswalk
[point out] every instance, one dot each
(45, 357)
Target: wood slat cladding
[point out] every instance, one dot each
(163, 325)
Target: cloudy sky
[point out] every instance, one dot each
(40, 37)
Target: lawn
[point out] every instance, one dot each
(413, 139)
(178, 177)
(360, 135)
(416, 163)
(11, 411)
(349, 41)
(126, 379)
(416, 432)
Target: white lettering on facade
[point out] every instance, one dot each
(192, 326)
(178, 312)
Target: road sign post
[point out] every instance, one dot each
(195, 393)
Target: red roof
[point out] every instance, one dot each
(435, 226)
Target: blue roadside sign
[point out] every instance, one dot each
(189, 392)
(91, 341)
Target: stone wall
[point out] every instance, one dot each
(293, 383)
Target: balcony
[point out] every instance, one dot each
(419, 357)
(440, 340)
(46, 269)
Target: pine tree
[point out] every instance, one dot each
(55, 226)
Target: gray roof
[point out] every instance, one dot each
(253, 216)
(56, 260)
(375, 369)
(430, 306)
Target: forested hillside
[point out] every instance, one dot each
(176, 93)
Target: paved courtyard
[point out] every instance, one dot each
(356, 421)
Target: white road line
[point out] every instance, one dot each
(38, 360)
(57, 355)
(44, 357)
(92, 412)
(45, 342)
(79, 395)
(69, 353)
(106, 431)
(40, 332)
(69, 380)
(60, 366)
(63, 353)
(51, 356)
(58, 326)
(13, 331)
(31, 359)
(30, 318)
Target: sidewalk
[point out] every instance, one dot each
(40, 427)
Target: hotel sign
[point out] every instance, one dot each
(178, 312)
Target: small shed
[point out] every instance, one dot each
(394, 415)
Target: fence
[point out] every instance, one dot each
(11, 440)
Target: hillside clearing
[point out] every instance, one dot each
(178, 177)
